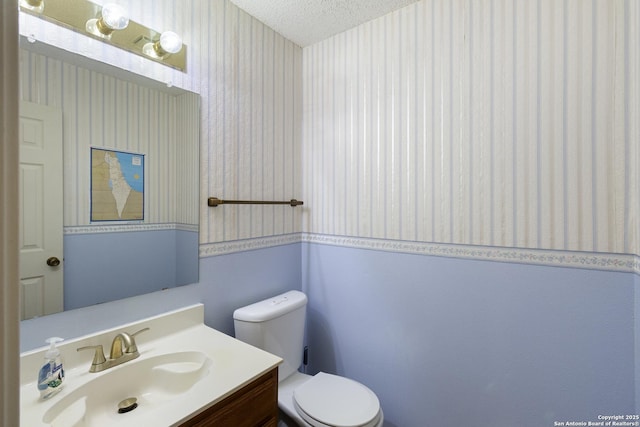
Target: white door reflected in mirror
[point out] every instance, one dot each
(41, 242)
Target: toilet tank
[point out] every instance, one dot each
(275, 325)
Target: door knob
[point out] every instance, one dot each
(53, 261)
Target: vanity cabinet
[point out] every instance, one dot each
(254, 405)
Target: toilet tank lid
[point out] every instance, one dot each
(271, 308)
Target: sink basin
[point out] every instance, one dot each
(152, 382)
(184, 368)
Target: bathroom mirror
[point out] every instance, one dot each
(108, 113)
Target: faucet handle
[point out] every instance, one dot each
(98, 356)
(133, 348)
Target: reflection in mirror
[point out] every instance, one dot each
(106, 108)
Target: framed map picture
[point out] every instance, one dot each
(117, 185)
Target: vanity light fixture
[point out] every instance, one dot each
(110, 24)
(36, 6)
(168, 43)
(112, 17)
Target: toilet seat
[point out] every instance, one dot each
(332, 401)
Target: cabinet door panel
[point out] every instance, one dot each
(255, 405)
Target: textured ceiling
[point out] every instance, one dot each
(306, 22)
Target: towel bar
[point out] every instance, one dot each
(214, 201)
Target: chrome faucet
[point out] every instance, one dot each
(123, 349)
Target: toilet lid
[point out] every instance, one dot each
(337, 401)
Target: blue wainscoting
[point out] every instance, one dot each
(242, 278)
(101, 267)
(226, 283)
(443, 342)
(452, 342)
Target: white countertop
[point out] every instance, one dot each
(234, 365)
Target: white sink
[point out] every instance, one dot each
(184, 368)
(152, 382)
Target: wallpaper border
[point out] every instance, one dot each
(627, 263)
(119, 228)
(229, 247)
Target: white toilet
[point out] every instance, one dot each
(276, 325)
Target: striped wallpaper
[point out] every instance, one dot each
(249, 79)
(498, 123)
(252, 124)
(187, 156)
(495, 122)
(105, 112)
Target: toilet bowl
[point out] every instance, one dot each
(326, 400)
(276, 325)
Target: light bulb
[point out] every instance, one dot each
(115, 16)
(170, 42)
(112, 17)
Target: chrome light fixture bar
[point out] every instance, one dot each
(111, 25)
